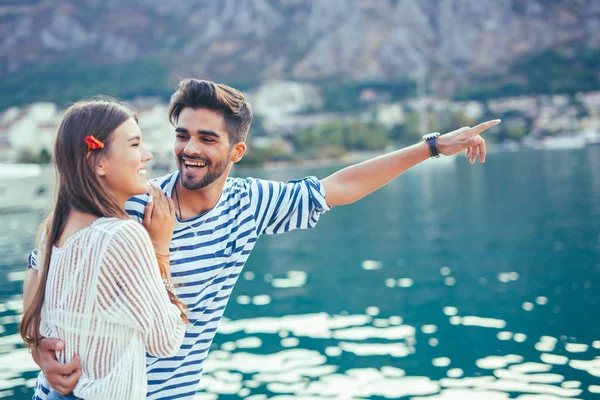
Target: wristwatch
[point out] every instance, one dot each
(432, 142)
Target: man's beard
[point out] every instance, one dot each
(211, 174)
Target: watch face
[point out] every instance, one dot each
(431, 135)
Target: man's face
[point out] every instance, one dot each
(202, 147)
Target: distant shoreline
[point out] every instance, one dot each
(349, 158)
(356, 157)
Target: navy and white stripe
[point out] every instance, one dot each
(32, 260)
(208, 254)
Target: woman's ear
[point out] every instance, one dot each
(238, 151)
(96, 163)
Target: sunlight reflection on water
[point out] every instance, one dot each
(513, 316)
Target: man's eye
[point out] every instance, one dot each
(208, 140)
(182, 137)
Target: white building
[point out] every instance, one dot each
(34, 130)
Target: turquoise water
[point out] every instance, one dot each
(453, 282)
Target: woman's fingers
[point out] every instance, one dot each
(171, 206)
(158, 198)
(148, 210)
(166, 205)
(159, 207)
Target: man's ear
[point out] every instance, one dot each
(238, 151)
(97, 163)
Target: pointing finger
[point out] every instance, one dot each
(483, 126)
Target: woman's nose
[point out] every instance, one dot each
(147, 155)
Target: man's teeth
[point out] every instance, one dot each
(193, 164)
(142, 172)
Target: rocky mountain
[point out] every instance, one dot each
(295, 39)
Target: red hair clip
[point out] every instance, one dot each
(93, 143)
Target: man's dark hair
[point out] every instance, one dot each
(197, 93)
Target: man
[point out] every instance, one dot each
(219, 220)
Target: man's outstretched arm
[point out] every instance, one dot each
(355, 182)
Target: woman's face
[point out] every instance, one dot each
(123, 169)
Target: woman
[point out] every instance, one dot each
(103, 289)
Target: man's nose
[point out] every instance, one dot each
(193, 148)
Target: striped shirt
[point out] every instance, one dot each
(208, 253)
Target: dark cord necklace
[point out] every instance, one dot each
(178, 205)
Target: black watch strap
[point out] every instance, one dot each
(432, 143)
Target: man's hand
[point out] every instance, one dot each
(466, 138)
(62, 377)
(159, 220)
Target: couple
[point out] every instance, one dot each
(108, 294)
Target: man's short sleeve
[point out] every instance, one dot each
(282, 207)
(32, 260)
(135, 207)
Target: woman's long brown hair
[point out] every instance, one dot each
(78, 188)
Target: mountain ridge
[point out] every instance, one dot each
(448, 41)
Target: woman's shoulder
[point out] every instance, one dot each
(128, 240)
(118, 228)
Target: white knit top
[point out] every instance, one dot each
(106, 300)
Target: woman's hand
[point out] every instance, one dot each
(466, 138)
(159, 220)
